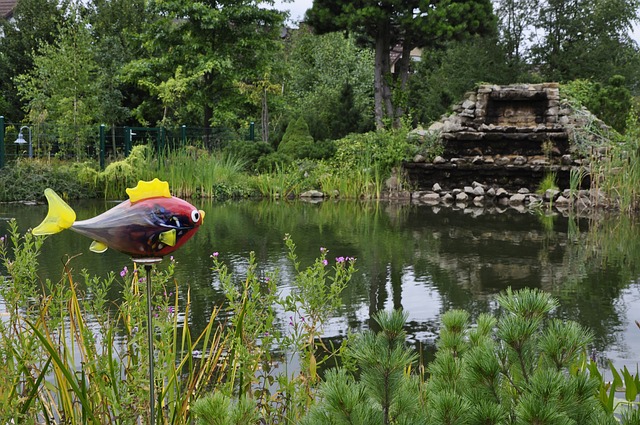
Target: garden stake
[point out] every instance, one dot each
(147, 226)
(148, 265)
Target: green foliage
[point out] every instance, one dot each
(619, 173)
(120, 175)
(252, 325)
(623, 381)
(219, 409)
(564, 53)
(251, 152)
(27, 179)
(521, 367)
(196, 60)
(383, 148)
(385, 392)
(296, 139)
(34, 23)
(330, 83)
(253, 337)
(192, 172)
(273, 162)
(443, 76)
(379, 25)
(46, 333)
(547, 183)
(61, 87)
(611, 102)
(429, 143)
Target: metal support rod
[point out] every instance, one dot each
(152, 382)
(148, 265)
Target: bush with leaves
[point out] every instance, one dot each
(251, 152)
(119, 175)
(27, 180)
(298, 143)
(383, 148)
(611, 102)
(521, 367)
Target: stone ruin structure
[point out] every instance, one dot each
(505, 136)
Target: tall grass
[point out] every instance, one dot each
(192, 173)
(198, 173)
(278, 184)
(353, 184)
(618, 176)
(70, 356)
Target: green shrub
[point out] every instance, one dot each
(27, 179)
(520, 367)
(296, 141)
(611, 102)
(383, 148)
(251, 152)
(120, 175)
(273, 161)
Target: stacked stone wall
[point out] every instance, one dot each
(507, 136)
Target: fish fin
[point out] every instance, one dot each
(168, 237)
(144, 190)
(59, 217)
(98, 247)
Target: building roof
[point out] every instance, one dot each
(6, 8)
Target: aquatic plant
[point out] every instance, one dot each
(258, 341)
(70, 354)
(547, 183)
(281, 183)
(193, 173)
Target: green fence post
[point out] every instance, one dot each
(161, 141)
(183, 135)
(102, 149)
(1, 141)
(127, 141)
(252, 131)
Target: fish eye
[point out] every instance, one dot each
(195, 216)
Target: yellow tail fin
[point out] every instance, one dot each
(60, 216)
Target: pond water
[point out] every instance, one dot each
(422, 258)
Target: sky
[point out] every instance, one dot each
(297, 8)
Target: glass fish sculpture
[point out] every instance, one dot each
(150, 224)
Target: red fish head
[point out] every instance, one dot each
(172, 222)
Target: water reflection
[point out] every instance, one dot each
(422, 258)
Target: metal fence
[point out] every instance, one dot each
(105, 143)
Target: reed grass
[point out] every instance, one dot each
(279, 184)
(615, 178)
(72, 357)
(353, 184)
(192, 173)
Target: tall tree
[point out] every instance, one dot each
(319, 67)
(115, 26)
(399, 26)
(33, 23)
(197, 52)
(516, 21)
(575, 37)
(62, 87)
